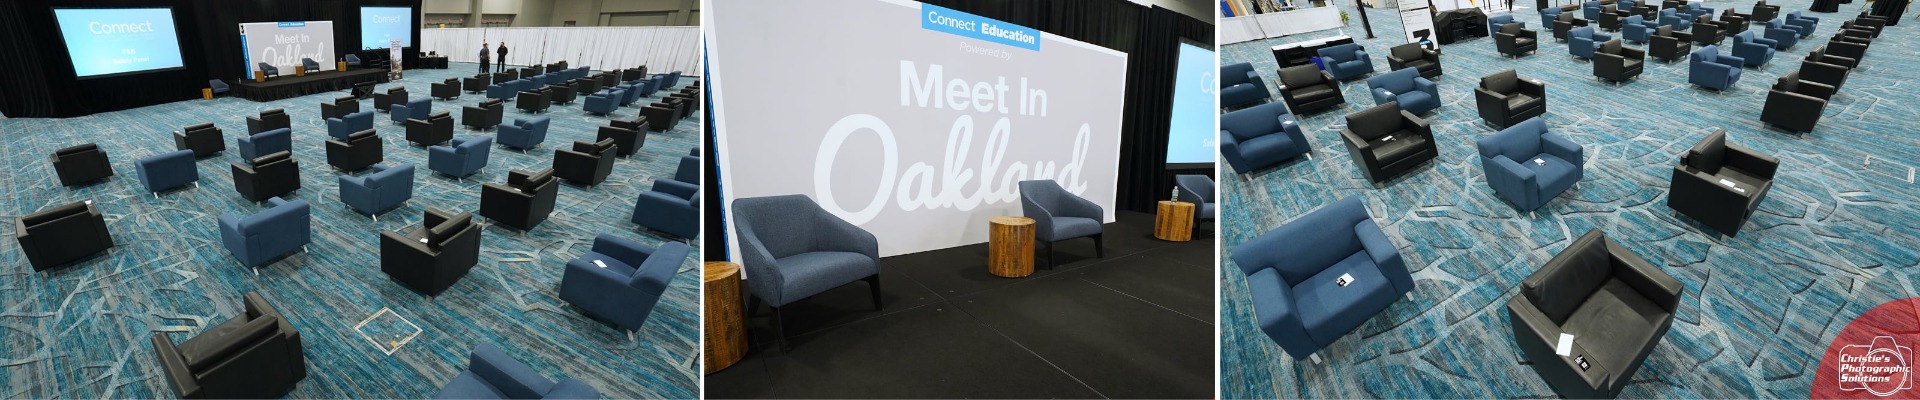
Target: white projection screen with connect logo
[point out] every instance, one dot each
(913, 121)
(112, 41)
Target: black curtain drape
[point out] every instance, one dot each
(1151, 39)
(37, 78)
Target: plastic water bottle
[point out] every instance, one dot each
(1176, 194)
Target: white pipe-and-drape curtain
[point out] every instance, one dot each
(661, 48)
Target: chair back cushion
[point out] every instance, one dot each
(783, 225)
(1372, 123)
(1520, 142)
(1709, 154)
(1409, 51)
(1234, 74)
(1300, 75)
(1562, 285)
(1396, 81)
(1611, 47)
(1503, 82)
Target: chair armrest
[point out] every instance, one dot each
(1382, 96)
(1657, 286)
(627, 251)
(1537, 336)
(1424, 85)
(654, 275)
(1731, 61)
(1507, 168)
(840, 235)
(1076, 206)
(1815, 90)
(1563, 148)
(1419, 124)
(510, 376)
(1354, 141)
(1380, 249)
(1745, 159)
(676, 188)
(175, 368)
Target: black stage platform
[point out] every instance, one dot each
(289, 86)
(1137, 324)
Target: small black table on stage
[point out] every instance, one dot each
(433, 62)
(289, 86)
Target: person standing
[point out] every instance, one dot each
(483, 57)
(503, 57)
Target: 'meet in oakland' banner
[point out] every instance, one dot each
(913, 121)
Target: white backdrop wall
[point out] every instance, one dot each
(284, 46)
(661, 48)
(901, 126)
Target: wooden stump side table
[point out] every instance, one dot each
(726, 330)
(1174, 221)
(1010, 247)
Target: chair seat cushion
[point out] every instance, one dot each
(1073, 227)
(1420, 63)
(1329, 310)
(1518, 101)
(1312, 92)
(1553, 174)
(1266, 147)
(1630, 65)
(1403, 143)
(1206, 211)
(1523, 42)
(1615, 323)
(198, 349)
(808, 274)
(468, 386)
(617, 267)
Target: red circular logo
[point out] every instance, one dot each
(1873, 357)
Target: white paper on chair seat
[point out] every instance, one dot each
(1566, 345)
(1388, 138)
(1344, 280)
(1537, 161)
(423, 240)
(1728, 183)
(601, 264)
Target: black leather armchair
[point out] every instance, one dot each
(1706, 31)
(687, 100)
(434, 256)
(1306, 88)
(359, 151)
(663, 116)
(561, 94)
(586, 163)
(1411, 55)
(484, 115)
(1617, 63)
(204, 139)
(1514, 41)
(476, 84)
(536, 100)
(340, 107)
(270, 175)
(1566, 22)
(1504, 99)
(1733, 22)
(1794, 104)
(436, 129)
(1720, 184)
(1610, 17)
(446, 90)
(524, 202)
(269, 120)
(1615, 304)
(504, 77)
(1763, 12)
(638, 123)
(1385, 141)
(1871, 26)
(256, 355)
(628, 140)
(394, 95)
(57, 236)
(1841, 53)
(585, 86)
(1669, 45)
(80, 164)
(1824, 73)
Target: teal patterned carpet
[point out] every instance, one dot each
(83, 331)
(1835, 237)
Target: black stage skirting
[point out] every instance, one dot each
(433, 62)
(289, 86)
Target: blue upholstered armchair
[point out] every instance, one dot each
(1590, 10)
(269, 69)
(1679, 22)
(1293, 271)
(793, 249)
(377, 192)
(264, 143)
(347, 125)
(1799, 23)
(1415, 93)
(310, 64)
(672, 207)
(637, 90)
(1528, 166)
(1060, 215)
(1783, 37)
(604, 102)
(1261, 136)
(1697, 9)
(1495, 22)
(1347, 61)
(1637, 29)
(1548, 14)
(464, 157)
(1582, 41)
(1707, 68)
(218, 86)
(1752, 51)
(504, 90)
(284, 227)
(524, 133)
(353, 61)
(492, 374)
(167, 171)
(1196, 189)
(1240, 86)
(416, 108)
(620, 280)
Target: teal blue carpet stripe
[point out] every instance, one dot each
(83, 331)
(1834, 238)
